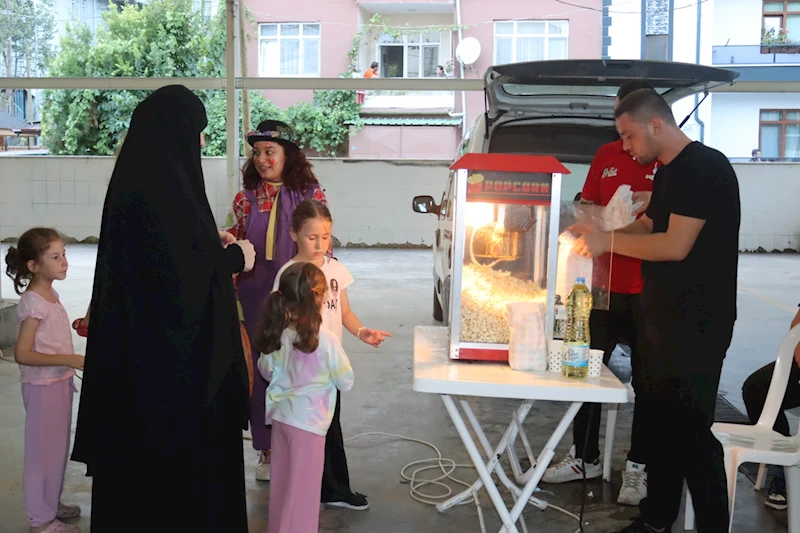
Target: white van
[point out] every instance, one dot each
(560, 108)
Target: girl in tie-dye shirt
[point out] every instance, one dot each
(304, 364)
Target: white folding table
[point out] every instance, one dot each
(436, 373)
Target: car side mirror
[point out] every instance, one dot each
(425, 204)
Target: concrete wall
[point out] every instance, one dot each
(770, 218)
(370, 200)
(737, 22)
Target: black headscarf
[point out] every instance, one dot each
(163, 332)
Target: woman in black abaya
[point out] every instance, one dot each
(164, 397)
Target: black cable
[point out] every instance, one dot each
(590, 412)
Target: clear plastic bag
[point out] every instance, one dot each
(527, 346)
(618, 213)
(571, 266)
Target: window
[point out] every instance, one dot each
(289, 49)
(530, 40)
(206, 8)
(782, 16)
(780, 133)
(413, 55)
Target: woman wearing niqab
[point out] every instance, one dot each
(164, 396)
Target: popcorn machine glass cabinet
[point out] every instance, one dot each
(505, 250)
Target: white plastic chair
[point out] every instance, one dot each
(760, 444)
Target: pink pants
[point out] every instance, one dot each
(48, 423)
(295, 485)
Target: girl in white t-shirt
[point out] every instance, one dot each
(311, 230)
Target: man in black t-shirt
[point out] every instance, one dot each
(689, 244)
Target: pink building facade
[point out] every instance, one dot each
(418, 125)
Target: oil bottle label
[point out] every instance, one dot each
(576, 354)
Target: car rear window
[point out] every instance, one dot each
(569, 143)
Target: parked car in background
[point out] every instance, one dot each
(562, 108)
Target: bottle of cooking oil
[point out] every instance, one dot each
(577, 338)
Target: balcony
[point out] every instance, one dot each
(409, 101)
(756, 54)
(418, 7)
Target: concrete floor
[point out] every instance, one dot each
(393, 292)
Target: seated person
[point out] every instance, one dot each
(754, 393)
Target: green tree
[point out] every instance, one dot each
(216, 106)
(167, 39)
(156, 39)
(26, 27)
(324, 124)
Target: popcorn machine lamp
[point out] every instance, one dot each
(506, 225)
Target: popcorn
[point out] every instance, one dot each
(475, 183)
(475, 178)
(484, 295)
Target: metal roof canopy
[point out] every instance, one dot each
(341, 84)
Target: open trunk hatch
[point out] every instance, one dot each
(588, 87)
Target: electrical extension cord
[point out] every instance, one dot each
(447, 467)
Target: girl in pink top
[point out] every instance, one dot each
(47, 364)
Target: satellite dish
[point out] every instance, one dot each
(468, 50)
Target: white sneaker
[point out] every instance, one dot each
(263, 467)
(570, 469)
(634, 484)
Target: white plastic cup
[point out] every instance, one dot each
(595, 362)
(555, 353)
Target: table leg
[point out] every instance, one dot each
(519, 416)
(508, 524)
(513, 459)
(494, 458)
(611, 423)
(544, 460)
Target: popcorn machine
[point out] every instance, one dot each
(505, 244)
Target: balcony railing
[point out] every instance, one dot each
(756, 54)
(411, 100)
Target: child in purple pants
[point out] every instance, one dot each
(47, 365)
(305, 365)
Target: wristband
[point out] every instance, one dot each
(358, 333)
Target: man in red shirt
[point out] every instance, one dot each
(611, 168)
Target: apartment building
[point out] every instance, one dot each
(410, 39)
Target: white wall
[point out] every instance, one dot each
(770, 217)
(736, 22)
(370, 200)
(735, 117)
(625, 30)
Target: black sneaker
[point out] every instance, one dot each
(355, 501)
(638, 526)
(776, 495)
